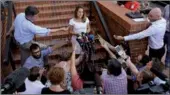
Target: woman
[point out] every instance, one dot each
(56, 77)
(78, 24)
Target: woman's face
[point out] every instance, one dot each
(80, 13)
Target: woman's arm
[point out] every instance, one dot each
(71, 30)
(132, 67)
(59, 29)
(88, 28)
(72, 65)
(108, 50)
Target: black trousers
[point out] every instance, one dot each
(157, 53)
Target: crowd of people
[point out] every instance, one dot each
(64, 78)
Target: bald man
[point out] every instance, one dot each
(155, 33)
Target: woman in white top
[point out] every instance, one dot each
(78, 24)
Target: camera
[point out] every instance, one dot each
(121, 52)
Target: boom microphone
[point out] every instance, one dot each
(14, 80)
(159, 74)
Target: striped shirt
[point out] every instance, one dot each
(114, 84)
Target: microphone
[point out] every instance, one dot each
(14, 80)
(159, 74)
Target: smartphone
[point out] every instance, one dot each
(121, 52)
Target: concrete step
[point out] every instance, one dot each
(52, 6)
(40, 2)
(67, 48)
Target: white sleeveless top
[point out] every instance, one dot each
(79, 27)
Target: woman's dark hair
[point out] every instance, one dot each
(31, 11)
(114, 67)
(34, 73)
(84, 14)
(145, 59)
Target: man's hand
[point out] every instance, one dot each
(41, 71)
(64, 28)
(118, 37)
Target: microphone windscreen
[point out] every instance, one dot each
(18, 76)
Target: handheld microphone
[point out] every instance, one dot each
(14, 80)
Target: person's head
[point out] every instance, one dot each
(146, 76)
(65, 56)
(56, 75)
(31, 12)
(79, 13)
(143, 59)
(34, 73)
(114, 67)
(35, 51)
(157, 64)
(154, 14)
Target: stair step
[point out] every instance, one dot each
(30, 2)
(16, 53)
(50, 42)
(40, 2)
(52, 6)
(55, 35)
(59, 11)
(54, 19)
(54, 22)
(56, 14)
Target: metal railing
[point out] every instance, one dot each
(8, 44)
(107, 32)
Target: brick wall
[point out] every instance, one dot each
(119, 24)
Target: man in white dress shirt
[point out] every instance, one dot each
(25, 30)
(155, 33)
(166, 15)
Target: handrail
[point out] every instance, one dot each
(7, 55)
(107, 32)
(13, 8)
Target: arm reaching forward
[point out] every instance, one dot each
(132, 67)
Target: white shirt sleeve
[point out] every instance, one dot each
(148, 32)
(87, 20)
(71, 22)
(38, 30)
